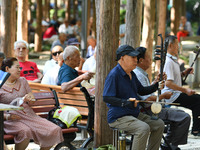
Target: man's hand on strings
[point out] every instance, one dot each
(188, 71)
(157, 79)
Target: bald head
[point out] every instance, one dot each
(56, 52)
(57, 48)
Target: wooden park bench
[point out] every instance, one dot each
(188, 38)
(78, 98)
(46, 101)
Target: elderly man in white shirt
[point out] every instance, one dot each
(51, 76)
(179, 120)
(55, 52)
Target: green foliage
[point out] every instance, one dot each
(193, 10)
(122, 15)
(186, 59)
(61, 13)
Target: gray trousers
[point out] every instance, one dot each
(179, 125)
(141, 127)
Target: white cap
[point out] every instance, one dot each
(44, 23)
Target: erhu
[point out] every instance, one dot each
(160, 54)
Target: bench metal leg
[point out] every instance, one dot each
(84, 134)
(87, 141)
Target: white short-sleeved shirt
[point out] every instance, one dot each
(122, 29)
(51, 76)
(89, 64)
(49, 64)
(172, 69)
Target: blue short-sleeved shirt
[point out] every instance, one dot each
(66, 74)
(118, 84)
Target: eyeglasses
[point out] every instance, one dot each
(26, 72)
(56, 53)
(23, 48)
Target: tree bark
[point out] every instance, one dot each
(46, 9)
(8, 27)
(107, 43)
(175, 17)
(22, 20)
(68, 13)
(161, 26)
(38, 32)
(88, 18)
(94, 20)
(56, 10)
(133, 22)
(75, 6)
(148, 29)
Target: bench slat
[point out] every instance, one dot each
(190, 38)
(42, 109)
(44, 102)
(70, 96)
(73, 102)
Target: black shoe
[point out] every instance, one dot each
(195, 135)
(165, 147)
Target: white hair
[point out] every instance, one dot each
(20, 41)
(69, 51)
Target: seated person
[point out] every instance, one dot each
(68, 76)
(51, 76)
(185, 28)
(179, 120)
(63, 28)
(185, 96)
(29, 69)
(61, 41)
(75, 42)
(90, 63)
(120, 94)
(55, 52)
(25, 124)
(92, 44)
(2, 56)
(50, 34)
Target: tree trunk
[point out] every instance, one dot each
(88, 18)
(22, 20)
(161, 26)
(38, 32)
(75, 6)
(107, 43)
(8, 27)
(56, 10)
(133, 22)
(148, 29)
(68, 13)
(94, 20)
(175, 17)
(46, 9)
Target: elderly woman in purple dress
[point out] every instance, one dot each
(25, 125)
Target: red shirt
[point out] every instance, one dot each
(49, 32)
(29, 70)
